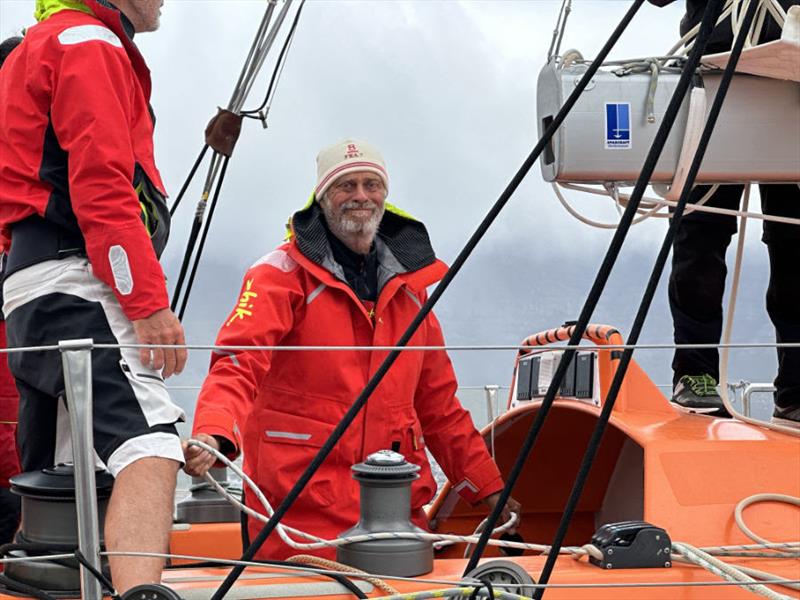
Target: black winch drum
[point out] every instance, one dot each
(49, 518)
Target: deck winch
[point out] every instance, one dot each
(49, 521)
(205, 504)
(385, 479)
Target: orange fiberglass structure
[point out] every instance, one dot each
(683, 473)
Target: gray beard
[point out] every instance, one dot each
(348, 229)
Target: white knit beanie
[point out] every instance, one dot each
(345, 157)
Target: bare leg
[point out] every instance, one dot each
(139, 518)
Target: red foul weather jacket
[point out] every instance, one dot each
(279, 407)
(76, 154)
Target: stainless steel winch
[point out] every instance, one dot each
(385, 479)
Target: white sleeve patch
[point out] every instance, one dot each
(278, 259)
(121, 269)
(88, 33)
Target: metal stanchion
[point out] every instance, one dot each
(76, 357)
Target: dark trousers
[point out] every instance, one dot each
(697, 283)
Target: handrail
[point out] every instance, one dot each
(602, 335)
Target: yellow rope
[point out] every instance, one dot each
(337, 566)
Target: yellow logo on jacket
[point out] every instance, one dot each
(244, 305)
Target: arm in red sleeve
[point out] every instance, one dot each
(94, 96)
(263, 315)
(448, 428)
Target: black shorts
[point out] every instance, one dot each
(133, 414)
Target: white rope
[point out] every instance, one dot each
(285, 531)
(651, 207)
(732, 9)
(724, 570)
(755, 500)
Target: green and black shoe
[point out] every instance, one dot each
(698, 394)
(788, 416)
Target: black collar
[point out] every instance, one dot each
(405, 238)
(126, 22)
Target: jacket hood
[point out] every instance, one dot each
(47, 8)
(406, 238)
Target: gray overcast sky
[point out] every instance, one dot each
(447, 89)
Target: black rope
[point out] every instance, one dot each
(188, 180)
(652, 285)
(24, 588)
(253, 114)
(203, 238)
(358, 404)
(99, 575)
(597, 287)
(197, 223)
(484, 583)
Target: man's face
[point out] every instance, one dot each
(354, 204)
(144, 14)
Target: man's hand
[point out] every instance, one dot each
(162, 327)
(511, 506)
(198, 461)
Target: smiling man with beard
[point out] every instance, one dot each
(353, 274)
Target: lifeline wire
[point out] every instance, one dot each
(356, 407)
(599, 284)
(597, 435)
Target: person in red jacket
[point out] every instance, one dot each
(83, 204)
(9, 400)
(354, 273)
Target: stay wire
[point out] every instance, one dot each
(203, 238)
(253, 114)
(189, 179)
(458, 263)
(652, 284)
(598, 286)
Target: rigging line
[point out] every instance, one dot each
(262, 56)
(257, 41)
(496, 348)
(710, 16)
(567, 11)
(551, 51)
(358, 404)
(203, 238)
(276, 73)
(197, 223)
(602, 277)
(189, 178)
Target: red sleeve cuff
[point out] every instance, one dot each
(481, 481)
(219, 424)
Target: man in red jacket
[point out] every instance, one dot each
(83, 204)
(354, 273)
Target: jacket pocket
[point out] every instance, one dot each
(423, 489)
(287, 445)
